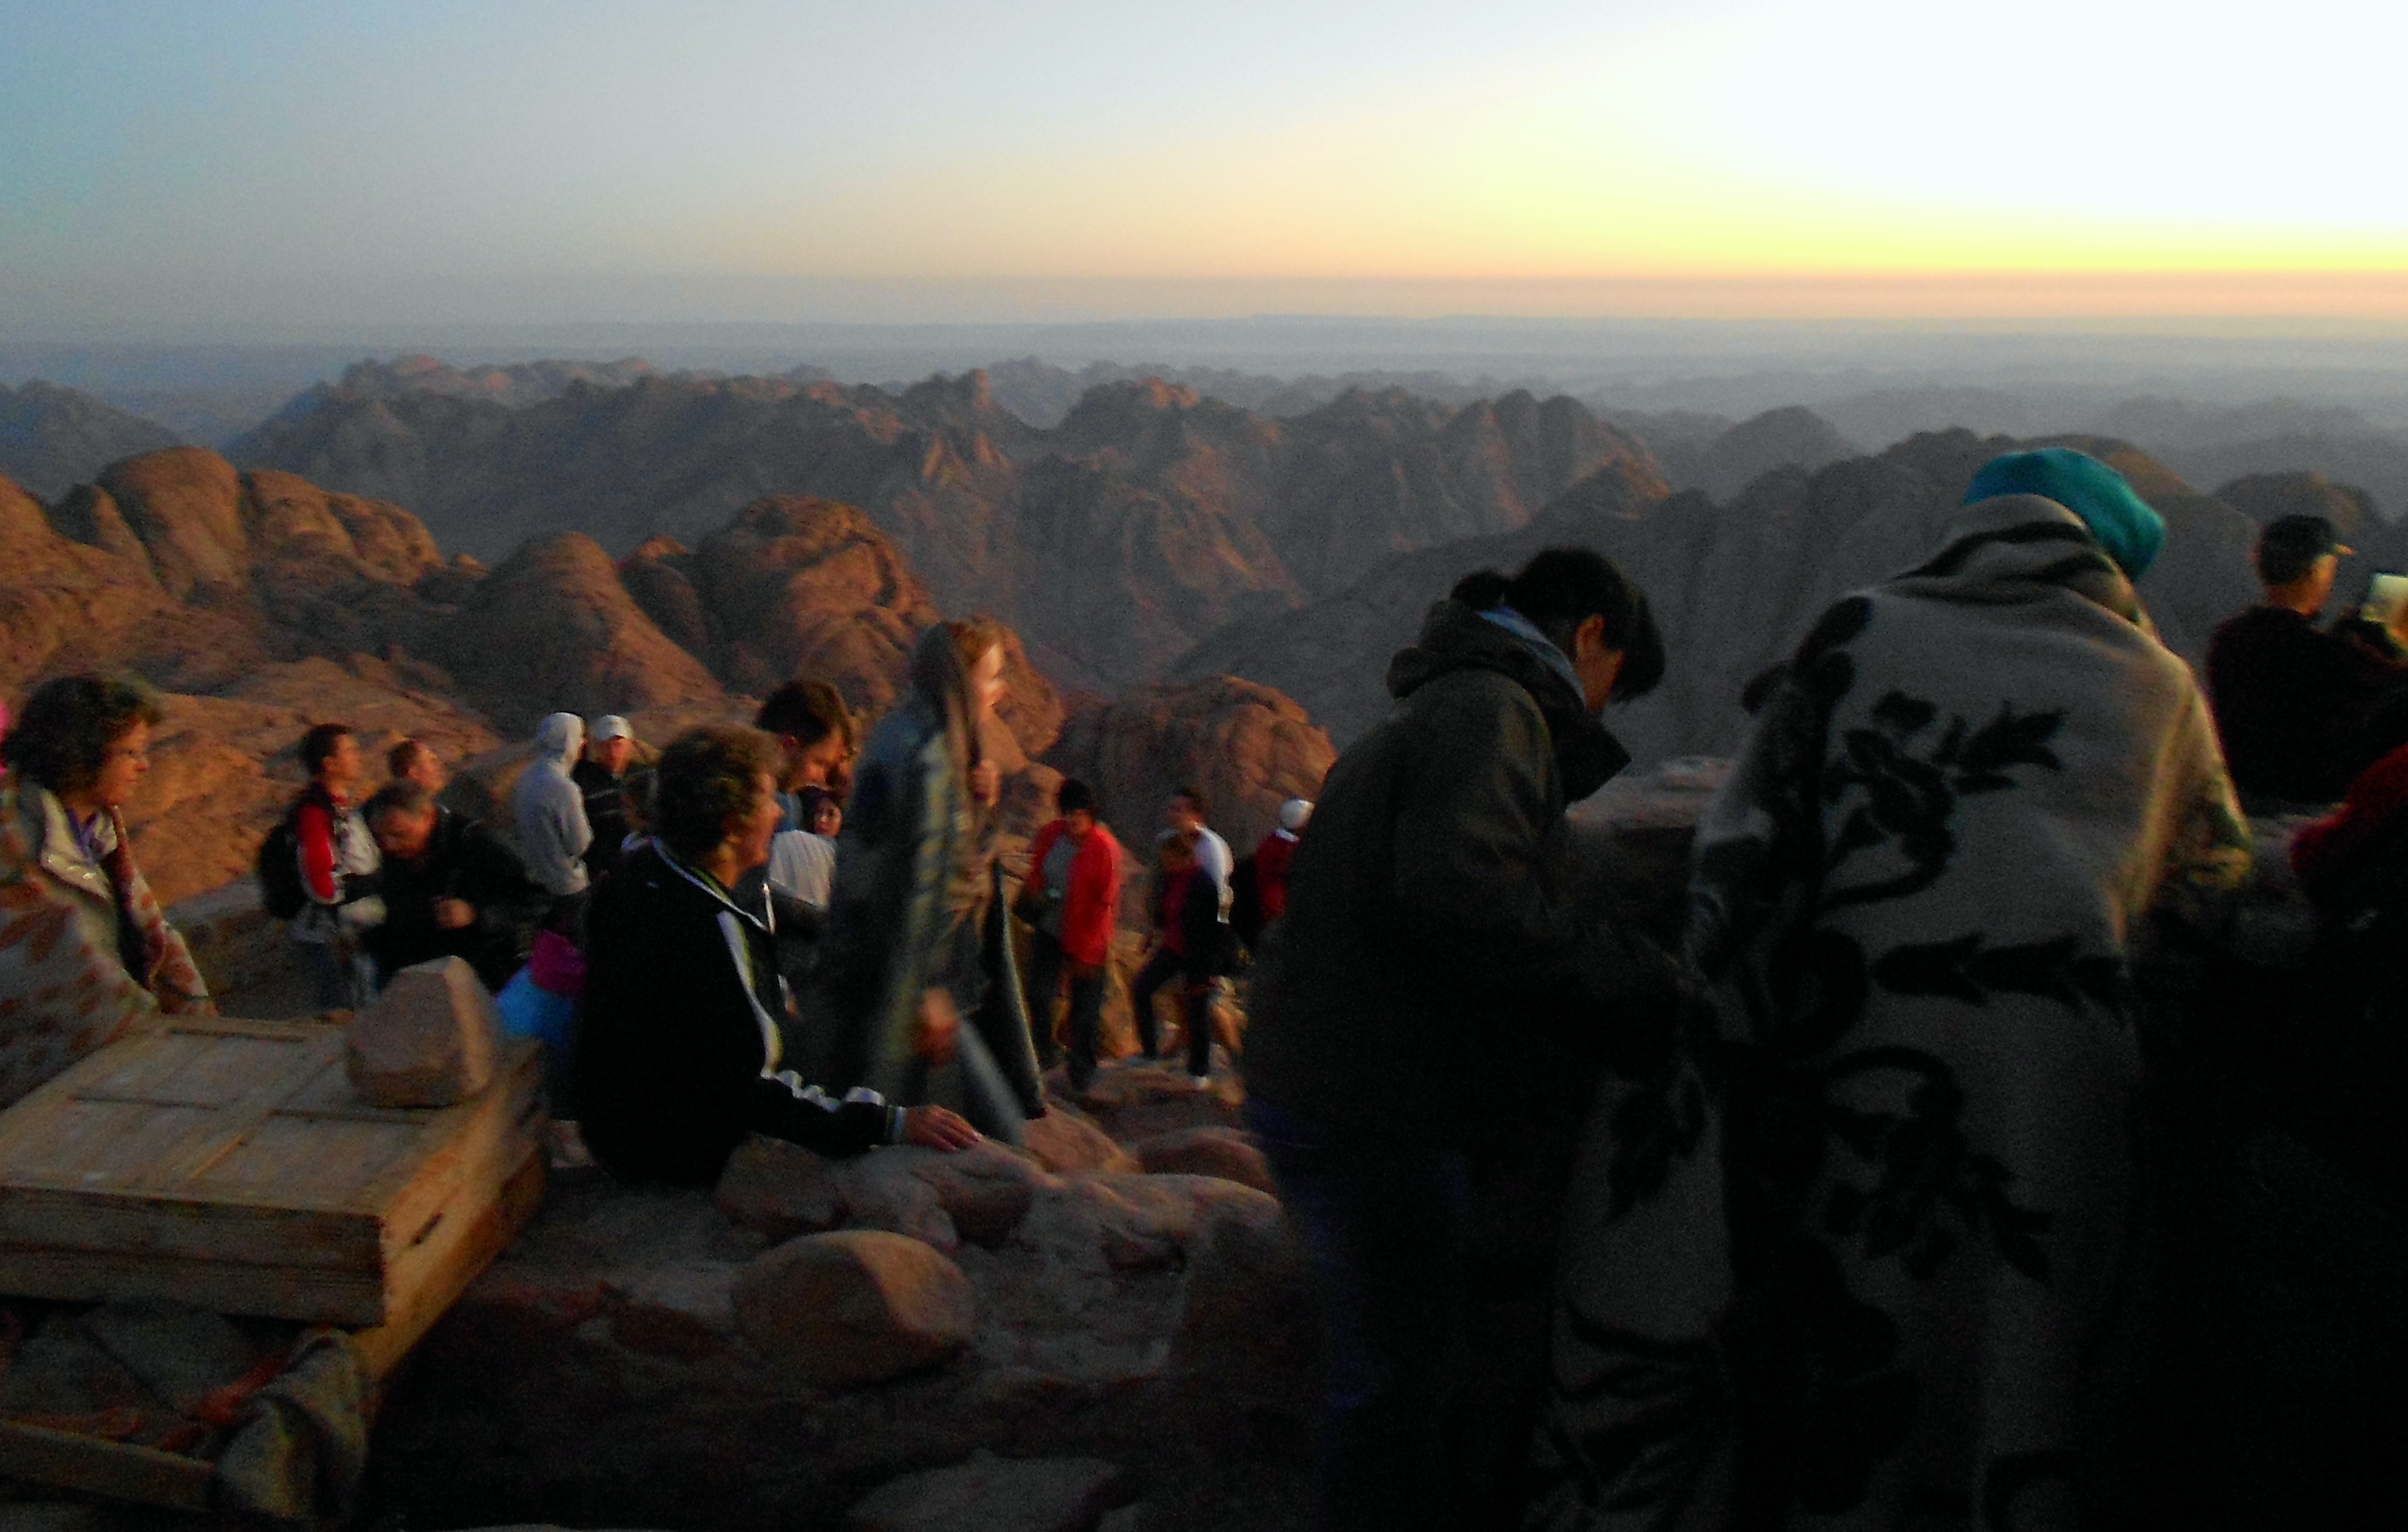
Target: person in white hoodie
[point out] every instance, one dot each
(549, 809)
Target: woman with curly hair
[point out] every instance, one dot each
(85, 953)
(682, 1045)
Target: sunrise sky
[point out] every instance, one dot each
(248, 162)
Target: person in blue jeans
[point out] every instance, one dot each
(1431, 1021)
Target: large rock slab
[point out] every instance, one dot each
(989, 1493)
(854, 1306)
(428, 1040)
(1062, 1140)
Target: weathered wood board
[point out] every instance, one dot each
(226, 1164)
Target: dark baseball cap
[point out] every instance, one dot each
(2289, 547)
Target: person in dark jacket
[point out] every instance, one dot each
(1429, 1022)
(681, 1046)
(452, 889)
(2290, 699)
(601, 776)
(1191, 948)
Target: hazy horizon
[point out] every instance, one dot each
(210, 171)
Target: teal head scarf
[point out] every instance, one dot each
(2126, 527)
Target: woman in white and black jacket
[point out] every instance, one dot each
(680, 1051)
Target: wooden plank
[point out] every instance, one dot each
(455, 1259)
(189, 1228)
(119, 1470)
(483, 1146)
(323, 1295)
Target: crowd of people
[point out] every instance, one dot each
(1833, 1212)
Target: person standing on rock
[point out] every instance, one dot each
(1871, 1243)
(1184, 818)
(339, 871)
(816, 744)
(85, 953)
(1429, 1020)
(916, 994)
(549, 811)
(601, 775)
(682, 1050)
(1071, 901)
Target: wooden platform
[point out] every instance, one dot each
(227, 1165)
(224, 1164)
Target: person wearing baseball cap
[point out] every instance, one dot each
(602, 777)
(2288, 695)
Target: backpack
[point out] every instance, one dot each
(277, 866)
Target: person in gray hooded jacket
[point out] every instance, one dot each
(549, 808)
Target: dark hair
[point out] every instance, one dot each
(1074, 797)
(807, 803)
(1195, 796)
(398, 760)
(398, 796)
(705, 776)
(1561, 588)
(318, 745)
(2289, 545)
(811, 710)
(64, 736)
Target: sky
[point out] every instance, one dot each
(197, 165)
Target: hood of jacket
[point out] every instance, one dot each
(559, 737)
(1454, 636)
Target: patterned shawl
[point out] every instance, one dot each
(1860, 1250)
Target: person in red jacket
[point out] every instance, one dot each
(1272, 857)
(1071, 902)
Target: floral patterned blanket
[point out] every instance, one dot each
(1858, 1249)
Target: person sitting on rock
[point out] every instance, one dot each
(681, 1051)
(339, 871)
(1428, 1022)
(451, 888)
(601, 776)
(2291, 699)
(1071, 901)
(916, 948)
(86, 956)
(816, 743)
(415, 761)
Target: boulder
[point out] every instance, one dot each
(780, 1190)
(1247, 747)
(428, 1040)
(1062, 1141)
(1247, 1332)
(783, 1190)
(1222, 1151)
(989, 1493)
(855, 1306)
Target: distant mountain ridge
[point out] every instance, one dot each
(51, 436)
(1149, 517)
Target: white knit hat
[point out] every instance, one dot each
(1293, 813)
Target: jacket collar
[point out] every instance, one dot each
(1454, 636)
(59, 852)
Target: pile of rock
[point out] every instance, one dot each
(1117, 1315)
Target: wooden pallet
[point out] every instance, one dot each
(202, 1212)
(228, 1165)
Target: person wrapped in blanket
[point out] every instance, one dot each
(681, 1051)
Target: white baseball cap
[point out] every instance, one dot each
(611, 726)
